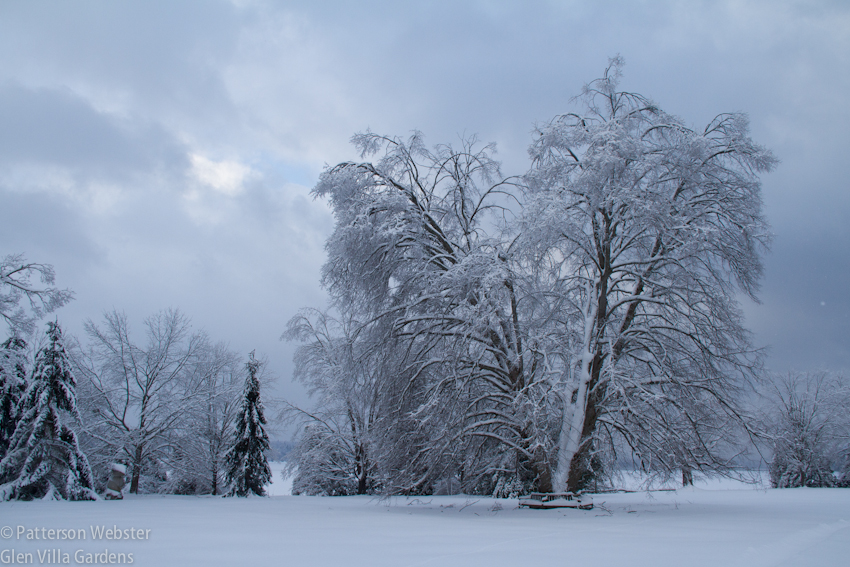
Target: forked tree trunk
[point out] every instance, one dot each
(581, 460)
(577, 427)
(572, 425)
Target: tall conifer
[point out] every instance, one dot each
(13, 383)
(44, 459)
(248, 469)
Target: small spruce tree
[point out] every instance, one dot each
(248, 469)
(44, 459)
(13, 383)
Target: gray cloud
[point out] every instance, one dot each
(804, 315)
(160, 154)
(57, 127)
(40, 226)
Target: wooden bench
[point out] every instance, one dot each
(539, 500)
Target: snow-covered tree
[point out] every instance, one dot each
(533, 335)
(22, 303)
(333, 451)
(844, 479)
(646, 230)
(13, 383)
(418, 248)
(138, 395)
(16, 285)
(248, 470)
(205, 432)
(347, 373)
(808, 426)
(44, 459)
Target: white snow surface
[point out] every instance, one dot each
(281, 484)
(714, 524)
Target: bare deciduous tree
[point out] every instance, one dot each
(16, 285)
(205, 431)
(138, 394)
(603, 318)
(649, 229)
(340, 432)
(807, 424)
(417, 246)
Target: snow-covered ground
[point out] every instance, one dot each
(717, 526)
(281, 484)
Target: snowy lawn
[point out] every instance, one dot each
(696, 526)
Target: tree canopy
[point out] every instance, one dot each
(532, 329)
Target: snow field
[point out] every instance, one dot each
(694, 526)
(281, 484)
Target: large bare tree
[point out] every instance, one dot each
(205, 431)
(418, 249)
(139, 394)
(603, 317)
(647, 230)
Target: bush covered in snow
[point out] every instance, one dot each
(808, 425)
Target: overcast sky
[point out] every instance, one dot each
(161, 154)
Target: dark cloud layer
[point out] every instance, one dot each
(59, 128)
(161, 154)
(804, 315)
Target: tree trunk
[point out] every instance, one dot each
(137, 470)
(542, 470)
(574, 428)
(570, 439)
(361, 483)
(687, 476)
(580, 465)
(361, 467)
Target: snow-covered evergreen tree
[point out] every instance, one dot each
(13, 382)
(247, 467)
(44, 459)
